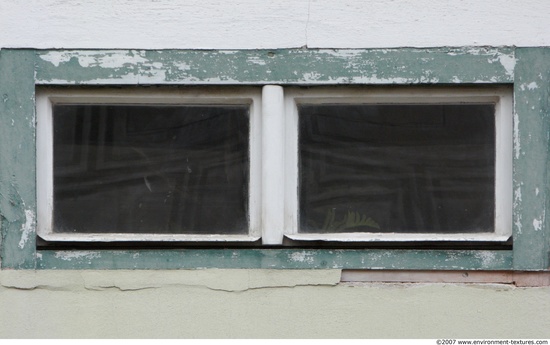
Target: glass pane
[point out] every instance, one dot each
(151, 169)
(408, 168)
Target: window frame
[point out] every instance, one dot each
(526, 69)
(279, 142)
(46, 98)
(502, 97)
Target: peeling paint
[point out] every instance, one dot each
(532, 86)
(56, 57)
(348, 53)
(487, 258)
(152, 77)
(508, 62)
(517, 142)
(516, 206)
(131, 280)
(27, 229)
(323, 66)
(518, 224)
(517, 197)
(311, 76)
(86, 59)
(257, 61)
(531, 237)
(537, 224)
(70, 255)
(301, 257)
(182, 66)
(374, 79)
(272, 258)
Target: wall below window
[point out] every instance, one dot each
(260, 304)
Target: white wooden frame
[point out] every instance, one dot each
(46, 98)
(502, 97)
(273, 185)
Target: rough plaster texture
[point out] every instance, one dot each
(260, 303)
(253, 24)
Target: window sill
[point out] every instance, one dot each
(400, 237)
(292, 258)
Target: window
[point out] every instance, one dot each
(303, 106)
(336, 164)
(144, 165)
(400, 164)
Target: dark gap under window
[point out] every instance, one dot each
(166, 169)
(405, 168)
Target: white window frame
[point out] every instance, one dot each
(502, 97)
(273, 185)
(46, 98)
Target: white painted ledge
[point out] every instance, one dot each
(400, 237)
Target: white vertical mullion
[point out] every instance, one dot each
(254, 187)
(44, 165)
(273, 164)
(504, 164)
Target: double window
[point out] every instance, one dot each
(414, 159)
(273, 164)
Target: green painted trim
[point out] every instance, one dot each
(527, 68)
(532, 159)
(277, 259)
(284, 67)
(17, 159)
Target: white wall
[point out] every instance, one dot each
(252, 24)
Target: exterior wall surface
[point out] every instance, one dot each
(253, 24)
(260, 303)
(237, 303)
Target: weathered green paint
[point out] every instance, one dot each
(277, 259)
(17, 159)
(20, 70)
(285, 67)
(532, 159)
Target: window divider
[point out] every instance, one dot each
(273, 164)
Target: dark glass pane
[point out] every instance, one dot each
(397, 168)
(151, 169)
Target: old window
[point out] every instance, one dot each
(308, 189)
(134, 165)
(401, 164)
(391, 164)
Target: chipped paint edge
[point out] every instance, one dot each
(280, 66)
(28, 228)
(277, 259)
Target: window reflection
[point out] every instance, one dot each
(151, 169)
(409, 168)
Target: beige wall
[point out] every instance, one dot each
(260, 303)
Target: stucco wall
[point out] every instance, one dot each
(240, 303)
(261, 303)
